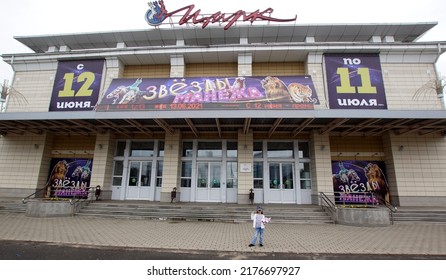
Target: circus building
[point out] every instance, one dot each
(223, 105)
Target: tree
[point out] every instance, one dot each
(436, 86)
(10, 94)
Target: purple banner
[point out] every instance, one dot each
(355, 81)
(76, 85)
(355, 181)
(69, 177)
(285, 92)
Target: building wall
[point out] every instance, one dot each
(32, 91)
(417, 165)
(414, 173)
(211, 69)
(23, 164)
(410, 87)
(278, 68)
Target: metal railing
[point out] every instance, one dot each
(25, 199)
(75, 199)
(327, 205)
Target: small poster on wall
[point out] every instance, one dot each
(69, 177)
(359, 182)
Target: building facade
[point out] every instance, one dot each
(286, 110)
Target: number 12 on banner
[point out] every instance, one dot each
(87, 78)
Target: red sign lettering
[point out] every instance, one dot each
(157, 13)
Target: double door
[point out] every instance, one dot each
(281, 183)
(139, 183)
(209, 182)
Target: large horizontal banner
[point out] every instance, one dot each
(355, 81)
(281, 92)
(359, 182)
(76, 85)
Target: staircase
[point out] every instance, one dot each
(12, 205)
(308, 214)
(407, 214)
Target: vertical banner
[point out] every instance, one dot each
(355, 81)
(355, 181)
(76, 85)
(69, 177)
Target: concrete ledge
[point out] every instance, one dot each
(48, 208)
(369, 217)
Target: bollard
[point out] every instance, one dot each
(173, 194)
(97, 192)
(251, 196)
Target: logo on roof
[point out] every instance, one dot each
(157, 13)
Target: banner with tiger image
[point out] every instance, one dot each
(201, 93)
(69, 178)
(360, 182)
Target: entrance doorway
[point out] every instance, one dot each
(281, 183)
(139, 185)
(209, 180)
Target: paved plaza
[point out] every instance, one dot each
(427, 239)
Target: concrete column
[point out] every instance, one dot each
(245, 166)
(101, 173)
(177, 66)
(171, 165)
(320, 165)
(245, 64)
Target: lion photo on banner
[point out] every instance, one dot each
(360, 182)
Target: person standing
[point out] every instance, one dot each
(258, 220)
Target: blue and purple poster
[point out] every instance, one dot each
(69, 177)
(77, 85)
(197, 93)
(359, 182)
(355, 81)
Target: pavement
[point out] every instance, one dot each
(417, 240)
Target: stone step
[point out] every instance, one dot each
(204, 212)
(420, 215)
(12, 205)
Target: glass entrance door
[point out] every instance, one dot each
(281, 183)
(139, 185)
(208, 187)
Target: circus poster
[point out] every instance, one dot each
(69, 178)
(204, 93)
(359, 182)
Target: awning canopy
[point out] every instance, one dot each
(276, 123)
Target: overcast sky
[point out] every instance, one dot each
(44, 17)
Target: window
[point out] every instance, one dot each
(186, 174)
(161, 148)
(187, 149)
(120, 149)
(142, 149)
(280, 150)
(118, 168)
(305, 175)
(231, 149)
(258, 150)
(159, 173)
(258, 175)
(231, 175)
(304, 150)
(209, 149)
